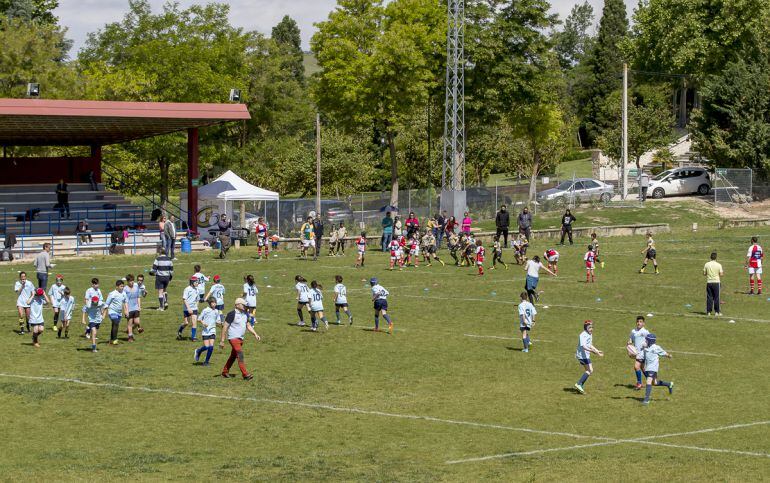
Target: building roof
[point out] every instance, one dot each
(42, 122)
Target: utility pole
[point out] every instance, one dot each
(453, 198)
(625, 133)
(318, 164)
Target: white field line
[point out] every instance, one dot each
(648, 440)
(707, 354)
(476, 336)
(326, 407)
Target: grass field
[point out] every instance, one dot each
(448, 396)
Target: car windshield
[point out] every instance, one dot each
(564, 185)
(662, 175)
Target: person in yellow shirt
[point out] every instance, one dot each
(713, 271)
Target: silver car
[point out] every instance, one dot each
(680, 181)
(577, 190)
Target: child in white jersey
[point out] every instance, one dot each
(636, 340)
(380, 299)
(341, 300)
(218, 292)
(250, 292)
(317, 306)
(202, 279)
(303, 298)
(56, 292)
(651, 354)
(189, 310)
(24, 290)
(583, 354)
(36, 319)
(66, 306)
(210, 318)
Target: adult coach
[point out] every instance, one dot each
(169, 234)
(42, 265)
(566, 226)
(236, 325)
(502, 222)
(713, 271)
(525, 223)
(163, 269)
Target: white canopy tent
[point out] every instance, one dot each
(220, 193)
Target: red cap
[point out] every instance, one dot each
(193, 279)
(94, 299)
(39, 291)
(217, 278)
(59, 275)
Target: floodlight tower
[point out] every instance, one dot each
(453, 172)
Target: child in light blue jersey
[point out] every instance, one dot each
(36, 319)
(250, 292)
(209, 318)
(66, 306)
(190, 310)
(218, 292)
(56, 292)
(527, 313)
(117, 308)
(94, 311)
(636, 339)
(91, 292)
(341, 300)
(651, 354)
(202, 279)
(134, 295)
(317, 306)
(583, 354)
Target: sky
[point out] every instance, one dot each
(84, 16)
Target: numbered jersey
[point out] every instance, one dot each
(316, 300)
(251, 292)
(394, 248)
(480, 252)
(551, 255)
(303, 293)
(755, 256)
(590, 259)
(342, 294)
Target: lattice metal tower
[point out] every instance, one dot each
(453, 173)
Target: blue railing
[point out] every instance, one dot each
(100, 241)
(55, 220)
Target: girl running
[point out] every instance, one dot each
(303, 298)
(210, 317)
(24, 290)
(66, 307)
(361, 246)
(250, 292)
(533, 277)
(341, 300)
(317, 306)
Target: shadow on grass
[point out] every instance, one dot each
(572, 390)
(517, 349)
(627, 386)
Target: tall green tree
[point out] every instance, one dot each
(733, 127)
(379, 64)
(30, 10)
(287, 35)
(604, 62)
(574, 41)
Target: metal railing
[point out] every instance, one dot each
(101, 241)
(124, 178)
(55, 219)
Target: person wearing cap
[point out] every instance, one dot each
(24, 290)
(190, 309)
(380, 299)
(56, 292)
(651, 355)
(217, 291)
(236, 325)
(42, 264)
(584, 350)
(94, 310)
(36, 320)
(117, 308)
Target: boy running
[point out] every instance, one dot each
(66, 307)
(361, 246)
(754, 259)
(429, 242)
(36, 319)
(480, 257)
(117, 308)
(590, 259)
(527, 313)
(202, 279)
(650, 253)
(651, 355)
(189, 310)
(497, 253)
(453, 243)
(380, 299)
(210, 317)
(91, 292)
(56, 292)
(636, 339)
(95, 311)
(134, 301)
(341, 299)
(24, 290)
(583, 354)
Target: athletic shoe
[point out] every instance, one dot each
(390, 328)
(751, 292)
(130, 338)
(442, 263)
(248, 377)
(638, 386)
(313, 329)
(646, 402)
(114, 342)
(718, 314)
(671, 388)
(226, 375)
(205, 364)
(326, 324)
(194, 339)
(140, 330)
(602, 264)
(160, 309)
(53, 328)
(36, 344)
(178, 336)
(351, 321)
(525, 350)
(196, 356)
(94, 350)
(580, 388)
(300, 324)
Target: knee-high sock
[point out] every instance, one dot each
(193, 332)
(387, 318)
(376, 321)
(583, 378)
(647, 392)
(209, 351)
(337, 313)
(301, 315)
(526, 342)
(638, 377)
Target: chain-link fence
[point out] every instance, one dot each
(732, 185)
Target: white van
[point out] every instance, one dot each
(680, 181)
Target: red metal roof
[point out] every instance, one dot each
(42, 122)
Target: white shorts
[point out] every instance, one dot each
(261, 242)
(308, 243)
(753, 270)
(414, 252)
(316, 308)
(361, 252)
(553, 259)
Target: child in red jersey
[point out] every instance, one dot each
(414, 249)
(552, 257)
(262, 238)
(480, 256)
(754, 265)
(395, 254)
(361, 246)
(590, 259)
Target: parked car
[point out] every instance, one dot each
(294, 212)
(251, 221)
(680, 181)
(580, 189)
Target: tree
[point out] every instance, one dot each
(605, 62)
(29, 10)
(572, 43)
(650, 124)
(287, 35)
(733, 127)
(379, 64)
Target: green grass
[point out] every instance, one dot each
(58, 430)
(580, 168)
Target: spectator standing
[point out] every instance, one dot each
(713, 271)
(169, 231)
(644, 185)
(502, 222)
(92, 181)
(412, 224)
(387, 231)
(566, 226)
(525, 223)
(441, 222)
(318, 229)
(42, 264)
(63, 197)
(84, 232)
(163, 269)
(397, 227)
(161, 233)
(466, 225)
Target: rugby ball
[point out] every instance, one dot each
(632, 352)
